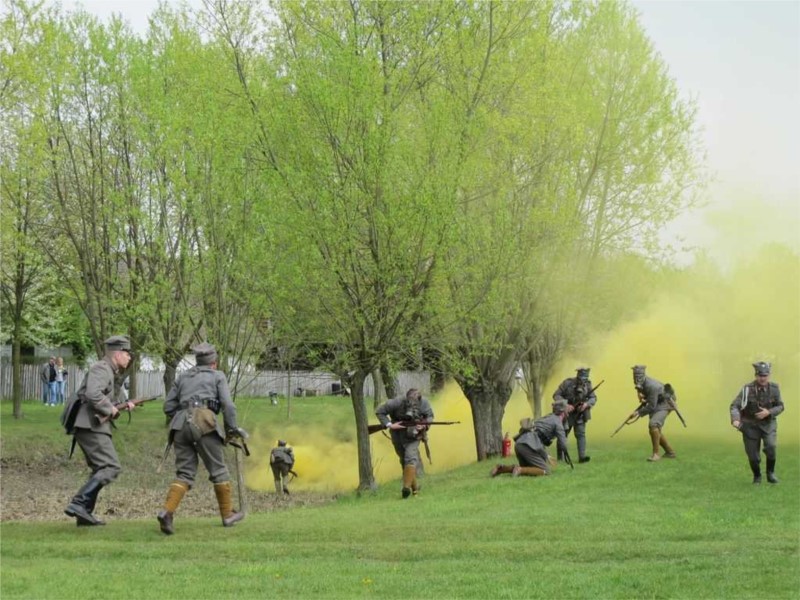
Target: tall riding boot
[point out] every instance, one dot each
(225, 501)
(79, 505)
(279, 487)
(668, 451)
(177, 490)
(528, 471)
(755, 467)
(500, 469)
(655, 438)
(771, 471)
(409, 474)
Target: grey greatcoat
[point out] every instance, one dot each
(530, 444)
(655, 402)
(750, 400)
(100, 389)
(405, 441)
(574, 392)
(195, 399)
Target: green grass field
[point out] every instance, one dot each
(618, 527)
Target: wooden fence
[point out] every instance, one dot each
(262, 384)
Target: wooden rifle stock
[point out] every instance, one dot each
(378, 427)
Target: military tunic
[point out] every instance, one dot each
(194, 430)
(750, 400)
(656, 402)
(574, 392)
(281, 461)
(530, 444)
(405, 441)
(100, 389)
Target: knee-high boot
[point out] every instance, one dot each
(500, 469)
(225, 501)
(771, 471)
(528, 471)
(177, 490)
(80, 503)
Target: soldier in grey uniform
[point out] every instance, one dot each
(391, 414)
(577, 393)
(655, 402)
(754, 412)
(281, 461)
(193, 403)
(98, 393)
(530, 444)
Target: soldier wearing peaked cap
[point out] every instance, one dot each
(99, 391)
(654, 398)
(193, 403)
(754, 412)
(530, 444)
(577, 393)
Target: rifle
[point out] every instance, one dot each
(567, 459)
(671, 401)
(628, 421)
(120, 406)
(378, 427)
(591, 391)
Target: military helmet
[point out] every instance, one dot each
(205, 354)
(762, 368)
(583, 373)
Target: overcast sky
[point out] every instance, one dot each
(740, 60)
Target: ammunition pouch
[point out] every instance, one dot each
(211, 404)
(201, 421)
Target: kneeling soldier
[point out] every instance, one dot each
(193, 403)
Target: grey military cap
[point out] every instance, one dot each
(117, 342)
(205, 353)
(583, 372)
(559, 406)
(281, 442)
(762, 368)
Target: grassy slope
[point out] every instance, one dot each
(618, 527)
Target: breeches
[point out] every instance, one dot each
(528, 457)
(209, 448)
(100, 454)
(753, 436)
(658, 418)
(580, 435)
(280, 469)
(407, 450)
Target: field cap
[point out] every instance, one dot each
(205, 354)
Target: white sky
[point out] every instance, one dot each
(741, 61)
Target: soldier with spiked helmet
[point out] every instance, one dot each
(193, 403)
(754, 412)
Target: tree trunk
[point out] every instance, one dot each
(16, 368)
(366, 477)
(488, 401)
(538, 391)
(388, 381)
(377, 393)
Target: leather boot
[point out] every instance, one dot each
(755, 467)
(80, 503)
(500, 469)
(668, 451)
(278, 487)
(528, 471)
(771, 471)
(177, 490)
(655, 439)
(225, 501)
(409, 475)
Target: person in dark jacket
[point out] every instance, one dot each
(98, 393)
(193, 403)
(578, 394)
(754, 412)
(532, 441)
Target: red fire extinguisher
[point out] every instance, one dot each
(506, 445)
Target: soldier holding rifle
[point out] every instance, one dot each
(88, 417)
(193, 403)
(657, 402)
(394, 415)
(754, 412)
(579, 395)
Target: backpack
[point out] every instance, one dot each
(70, 413)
